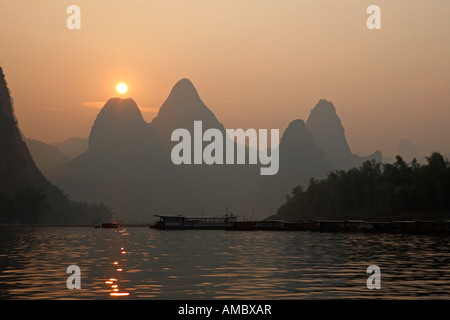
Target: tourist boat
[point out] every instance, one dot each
(183, 222)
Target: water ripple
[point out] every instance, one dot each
(142, 263)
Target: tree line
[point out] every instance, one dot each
(29, 205)
(374, 190)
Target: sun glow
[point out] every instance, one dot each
(122, 88)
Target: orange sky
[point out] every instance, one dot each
(255, 64)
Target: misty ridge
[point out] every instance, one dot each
(128, 161)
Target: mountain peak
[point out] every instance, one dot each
(297, 134)
(119, 121)
(301, 156)
(296, 124)
(182, 107)
(183, 94)
(120, 104)
(324, 106)
(329, 134)
(120, 112)
(184, 83)
(324, 123)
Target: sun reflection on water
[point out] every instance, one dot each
(114, 282)
(218, 264)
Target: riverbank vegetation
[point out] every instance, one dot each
(31, 206)
(375, 191)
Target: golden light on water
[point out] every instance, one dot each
(119, 294)
(113, 282)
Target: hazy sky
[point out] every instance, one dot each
(255, 63)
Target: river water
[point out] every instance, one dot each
(143, 263)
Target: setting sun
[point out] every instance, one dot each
(122, 88)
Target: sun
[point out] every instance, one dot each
(122, 88)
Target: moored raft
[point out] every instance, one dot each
(230, 222)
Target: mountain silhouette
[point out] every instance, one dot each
(17, 168)
(118, 125)
(329, 134)
(182, 107)
(299, 153)
(128, 164)
(300, 159)
(120, 166)
(26, 196)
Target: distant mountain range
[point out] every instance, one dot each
(47, 156)
(128, 164)
(72, 147)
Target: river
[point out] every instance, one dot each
(144, 263)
